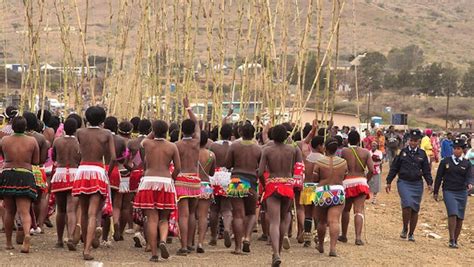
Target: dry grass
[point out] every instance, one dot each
(442, 28)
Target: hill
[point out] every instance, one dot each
(441, 28)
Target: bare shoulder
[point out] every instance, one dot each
(291, 148)
(40, 137)
(144, 142)
(266, 149)
(57, 141)
(256, 147)
(80, 131)
(174, 146)
(212, 155)
(212, 146)
(107, 132)
(364, 152)
(33, 140)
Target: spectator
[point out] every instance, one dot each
(393, 142)
(367, 141)
(374, 183)
(380, 139)
(447, 146)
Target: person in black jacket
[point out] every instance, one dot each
(411, 164)
(455, 174)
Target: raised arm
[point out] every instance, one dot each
(312, 133)
(192, 116)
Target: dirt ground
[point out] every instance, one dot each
(384, 247)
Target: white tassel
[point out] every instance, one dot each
(156, 184)
(348, 183)
(221, 178)
(87, 172)
(60, 176)
(124, 185)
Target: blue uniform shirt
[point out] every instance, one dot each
(410, 165)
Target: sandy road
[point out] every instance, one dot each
(384, 247)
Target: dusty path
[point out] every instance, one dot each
(384, 247)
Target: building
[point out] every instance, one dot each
(340, 118)
(16, 67)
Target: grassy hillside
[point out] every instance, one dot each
(442, 28)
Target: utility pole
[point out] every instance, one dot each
(447, 107)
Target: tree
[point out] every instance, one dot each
(372, 69)
(436, 79)
(467, 87)
(406, 58)
(404, 79)
(311, 68)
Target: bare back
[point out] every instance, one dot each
(353, 164)
(66, 152)
(19, 151)
(49, 134)
(43, 145)
(95, 143)
(207, 163)
(157, 155)
(120, 144)
(220, 151)
(330, 170)
(189, 154)
(243, 157)
(279, 159)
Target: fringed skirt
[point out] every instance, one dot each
(63, 179)
(135, 178)
(308, 195)
(124, 181)
(155, 193)
(220, 181)
(356, 186)
(40, 178)
(18, 182)
(240, 185)
(206, 191)
(90, 178)
(283, 187)
(188, 185)
(114, 178)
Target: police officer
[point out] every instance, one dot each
(455, 174)
(410, 165)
